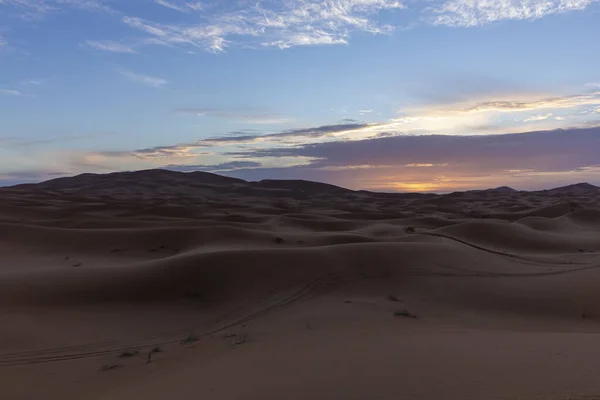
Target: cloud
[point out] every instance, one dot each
(184, 8)
(416, 141)
(425, 165)
(539, 117)
(19, 142)
(468, 13)
(35, 9)
(544, 103)
(492, 114)
(312, 37)
(270, 23)
(94, 5)
(172, 6)
(210, 37)
(315, 133)
(110, 46)
(166, 152)
(208, 154)
(430, 141)
(217, 26)
(190, 149)
(252, 116)
(507, 150)
(527, 160)
(444, 163)
(144, 79)
(291, 23)
(11, 92)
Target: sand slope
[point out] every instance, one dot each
(289, 289)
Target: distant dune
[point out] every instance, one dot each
(295, 290)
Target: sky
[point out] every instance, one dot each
(384, 95)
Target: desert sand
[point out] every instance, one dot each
(295, 290)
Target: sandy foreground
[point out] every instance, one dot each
(295, 290)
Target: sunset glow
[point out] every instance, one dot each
(380, 95)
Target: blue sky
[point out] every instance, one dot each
(333, 90)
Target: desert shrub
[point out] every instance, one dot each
(110, 367)
(191, 338)
(129, 353)
(406, 314)
(241, 339)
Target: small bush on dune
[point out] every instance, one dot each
(153, 351)
(110, 367)
(191, 338)
(241, 339)
(129, 353)
(406, 314)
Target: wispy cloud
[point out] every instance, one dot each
(217, 145)
(279, 24)
(20, 142)
(544, 103)
(318, 22)
(110, 46)
(11, 92)
(251, 116)
(536, 118)
(467, 13)
(97, 5)
(35, 9)
(144, 79)
(172, 6)
(288, 137)
(311, 37)
(494, 114)
(284, 24)
(184, 8)
(425, 165)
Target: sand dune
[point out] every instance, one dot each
(295, 290)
